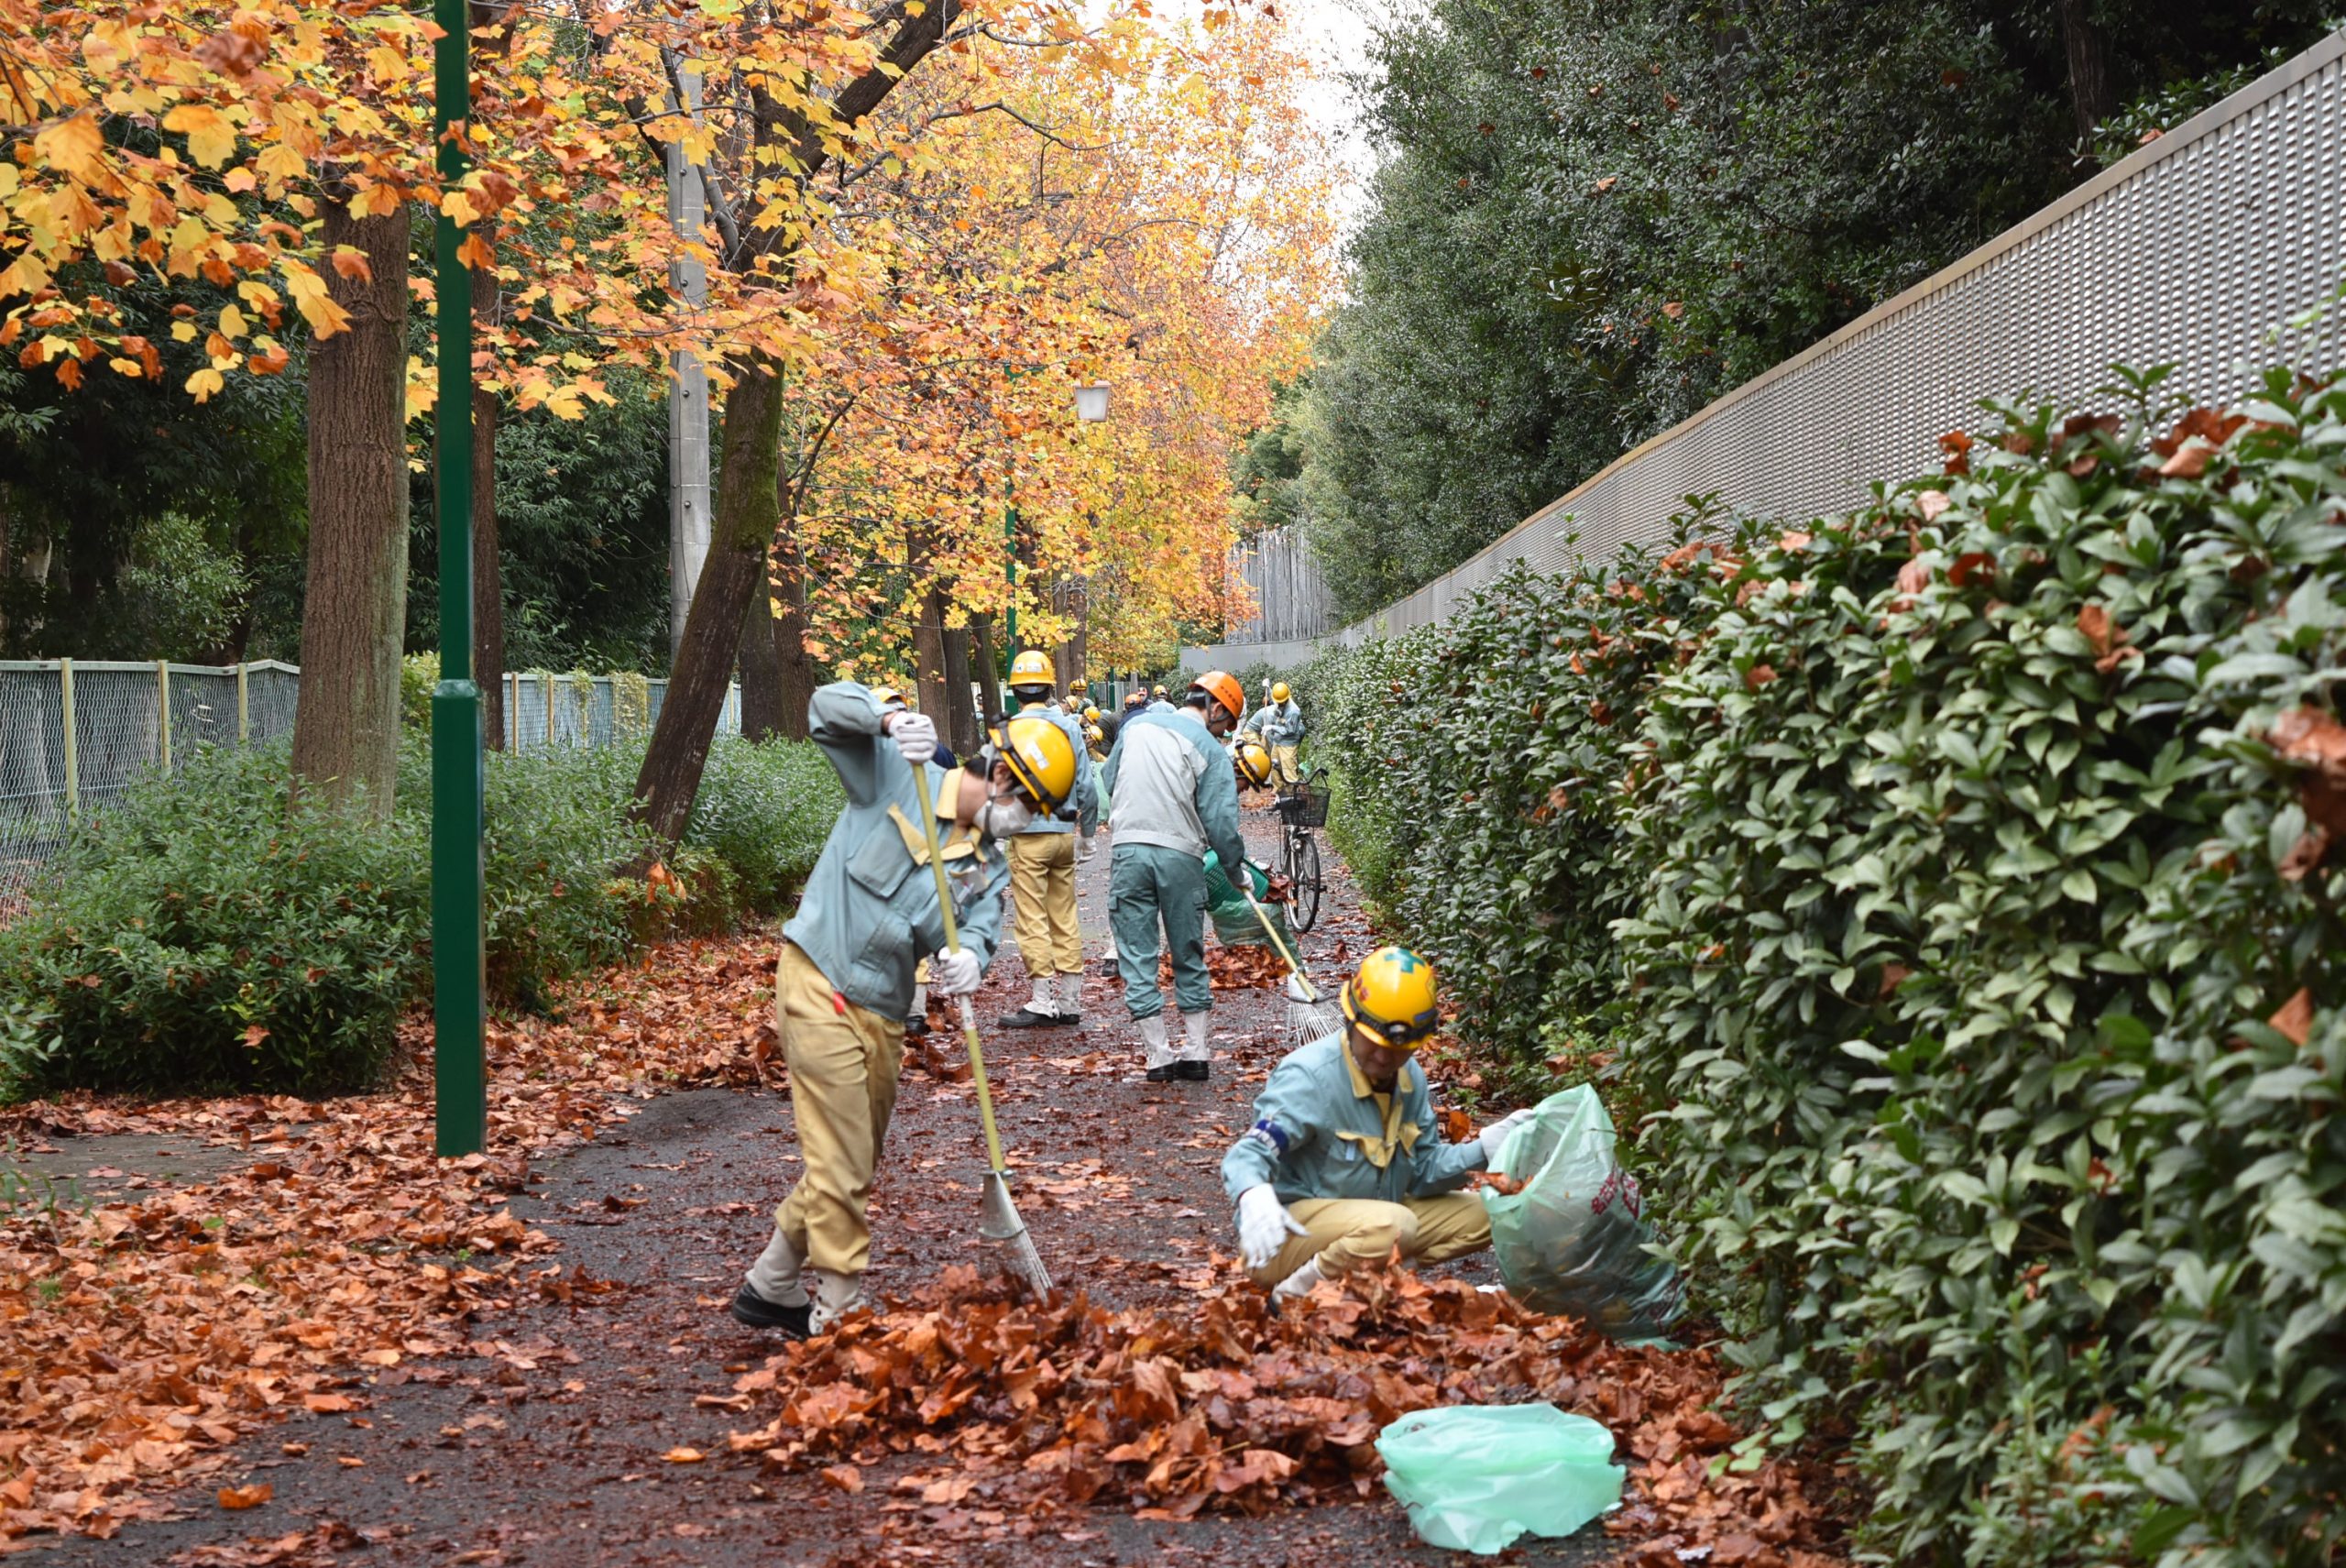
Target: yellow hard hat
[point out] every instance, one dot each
(1224, 687)
(1090, 714)
(1391, 999)
(1093, 733)
(1041, 759)
(1254, 762)
(1075, 688)
(889, 697)
(1031, 667)
(1279, 692)
(1159, 694)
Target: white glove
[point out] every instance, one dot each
(1264, 1225)
(1493, 1137)
(914, 735)
(954, 972)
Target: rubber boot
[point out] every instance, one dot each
(835, 1294)
(917, 1021)
(1299, 1284)
(772, 1297)
(1042, 1009)
(1161, 1060)
(1196, 1054)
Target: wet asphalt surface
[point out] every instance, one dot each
(545, 1445)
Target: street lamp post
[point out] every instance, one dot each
(459, 975)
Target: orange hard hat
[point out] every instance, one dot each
(1224, 687)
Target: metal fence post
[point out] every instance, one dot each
(163, 706)
(73, 760)
(546, 680)
(243, 725)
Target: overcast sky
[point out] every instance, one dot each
(1335, 34)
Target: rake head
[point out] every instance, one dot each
(1309, 1014)
(1005, 1236)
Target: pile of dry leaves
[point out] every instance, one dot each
(1237, 1407)
(138, 1338)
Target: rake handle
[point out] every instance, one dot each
(1310, 991)
(953, 939)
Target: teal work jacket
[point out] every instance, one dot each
(870, 912)
(1320, 1132)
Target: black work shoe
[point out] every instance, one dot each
(1110, 968)
(1165, 1074)
(1191, 1071)
(757, 1313)
(917, 1025)
(1027, 1019)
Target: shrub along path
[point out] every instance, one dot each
(528, 1360)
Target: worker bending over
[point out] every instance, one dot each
(1344, 1162)
(845, 977)
(1041, 866)
(1279, 726)
(1175, 800)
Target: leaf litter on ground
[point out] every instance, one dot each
(141, 1339)
(1009, 1407)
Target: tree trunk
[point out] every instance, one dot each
(749, 460)
(762, 699)
(489, 590)
(960, 713)
(2091, 98)
(354, 607)
(747, 511)
(790, 645)
(988, 670)
(928, 658)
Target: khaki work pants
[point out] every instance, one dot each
(843, 1066)
(1347, 1234)
(1042, 893)
(1285, 756)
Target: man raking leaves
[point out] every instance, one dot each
(1343, 1163)
(845, 977)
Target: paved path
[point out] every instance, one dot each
(545, 1445)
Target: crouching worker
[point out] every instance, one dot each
(1343, 1163)
(845, 979)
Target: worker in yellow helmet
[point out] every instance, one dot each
(1345, 1161)
(845, 978)
(1042, 865)
(1253, 762)
(1279, 724)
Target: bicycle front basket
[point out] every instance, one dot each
(1305, 807)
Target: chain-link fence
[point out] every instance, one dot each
(75, 733)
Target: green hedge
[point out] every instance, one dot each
(1955, 879)
(199, 933)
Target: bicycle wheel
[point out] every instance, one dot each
(1305, 855)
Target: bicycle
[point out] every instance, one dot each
(1302, 807)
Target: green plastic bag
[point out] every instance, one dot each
(1234, 921)
(1573, 1243)
(1473, 1478)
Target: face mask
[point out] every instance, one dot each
(1003, 816)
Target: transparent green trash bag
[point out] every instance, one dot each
(1235, 923)
(1473, 1478)
(1573, 1242)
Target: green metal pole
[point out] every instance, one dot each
(459, 972)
